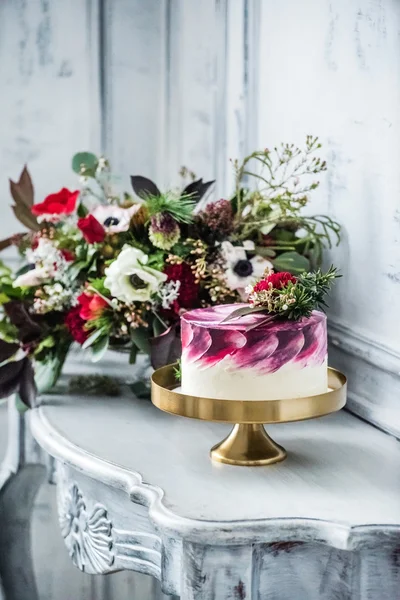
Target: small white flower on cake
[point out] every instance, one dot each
(241, 272)
(114, 218)
(130, 280)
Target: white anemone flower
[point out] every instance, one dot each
(129, 279)
(114, 218)
(242, 272)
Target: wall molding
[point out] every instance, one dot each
(373, 371)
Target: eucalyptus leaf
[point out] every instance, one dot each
(92, 338)
(87, 159)
(133, 354)
(76, 268)
(267, 228)
(265, 252)
(140, 338)
(158, 326)
(293, 262)
(99, 348)
(82, 210)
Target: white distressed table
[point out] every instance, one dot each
(136, 490)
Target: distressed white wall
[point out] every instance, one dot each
(275, 71)
(163, 83)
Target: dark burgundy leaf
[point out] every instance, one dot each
(144, 187)
(10, 377)
(166, 348)
(7, 350)
(197, 189)
(28, 330)
(27, 386)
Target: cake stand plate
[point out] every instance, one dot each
(248, 444)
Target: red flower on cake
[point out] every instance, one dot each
(92, 230)
(91, 306)
(75, 325)
(275, 280)
(61, 203)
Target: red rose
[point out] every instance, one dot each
(91, 306)
(92, 230)
(278, 281)
(62, 203)
(75, 324)
(67, 254)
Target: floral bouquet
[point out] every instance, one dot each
(110, 269)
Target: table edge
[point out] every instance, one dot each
(284, 529)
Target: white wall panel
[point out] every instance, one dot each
(49, 100)
(333, 69)
(133, 54)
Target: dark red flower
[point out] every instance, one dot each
(67, 254)
(91, 306)
(278, 281)
(61, 203)
(92, 230)
(189, 289)
(218, 216)
(75, 323)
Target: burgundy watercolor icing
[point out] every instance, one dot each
(207, 341)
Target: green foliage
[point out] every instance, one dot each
(99, 347)
(98, 286)
(8, 331)
(156, 260)
(180, 208)
(140, 337)
(284, 177)
(85, 163)
(178, 371)
(309, 292)
(293, 262)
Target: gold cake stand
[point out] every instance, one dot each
(248, 444)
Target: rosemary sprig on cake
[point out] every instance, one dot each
(284, 296)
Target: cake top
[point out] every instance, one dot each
(213, 318)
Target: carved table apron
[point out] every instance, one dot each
(137, 490)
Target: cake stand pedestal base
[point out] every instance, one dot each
(248, 445)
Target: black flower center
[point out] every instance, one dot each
(243, 268)
(111, 221)
(137, 282)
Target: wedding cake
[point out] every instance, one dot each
(248, 358)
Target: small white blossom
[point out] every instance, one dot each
(169, 293)
(49, 263)
(55, 297)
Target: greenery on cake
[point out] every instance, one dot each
(284, 296)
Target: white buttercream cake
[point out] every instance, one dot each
(280, 359)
